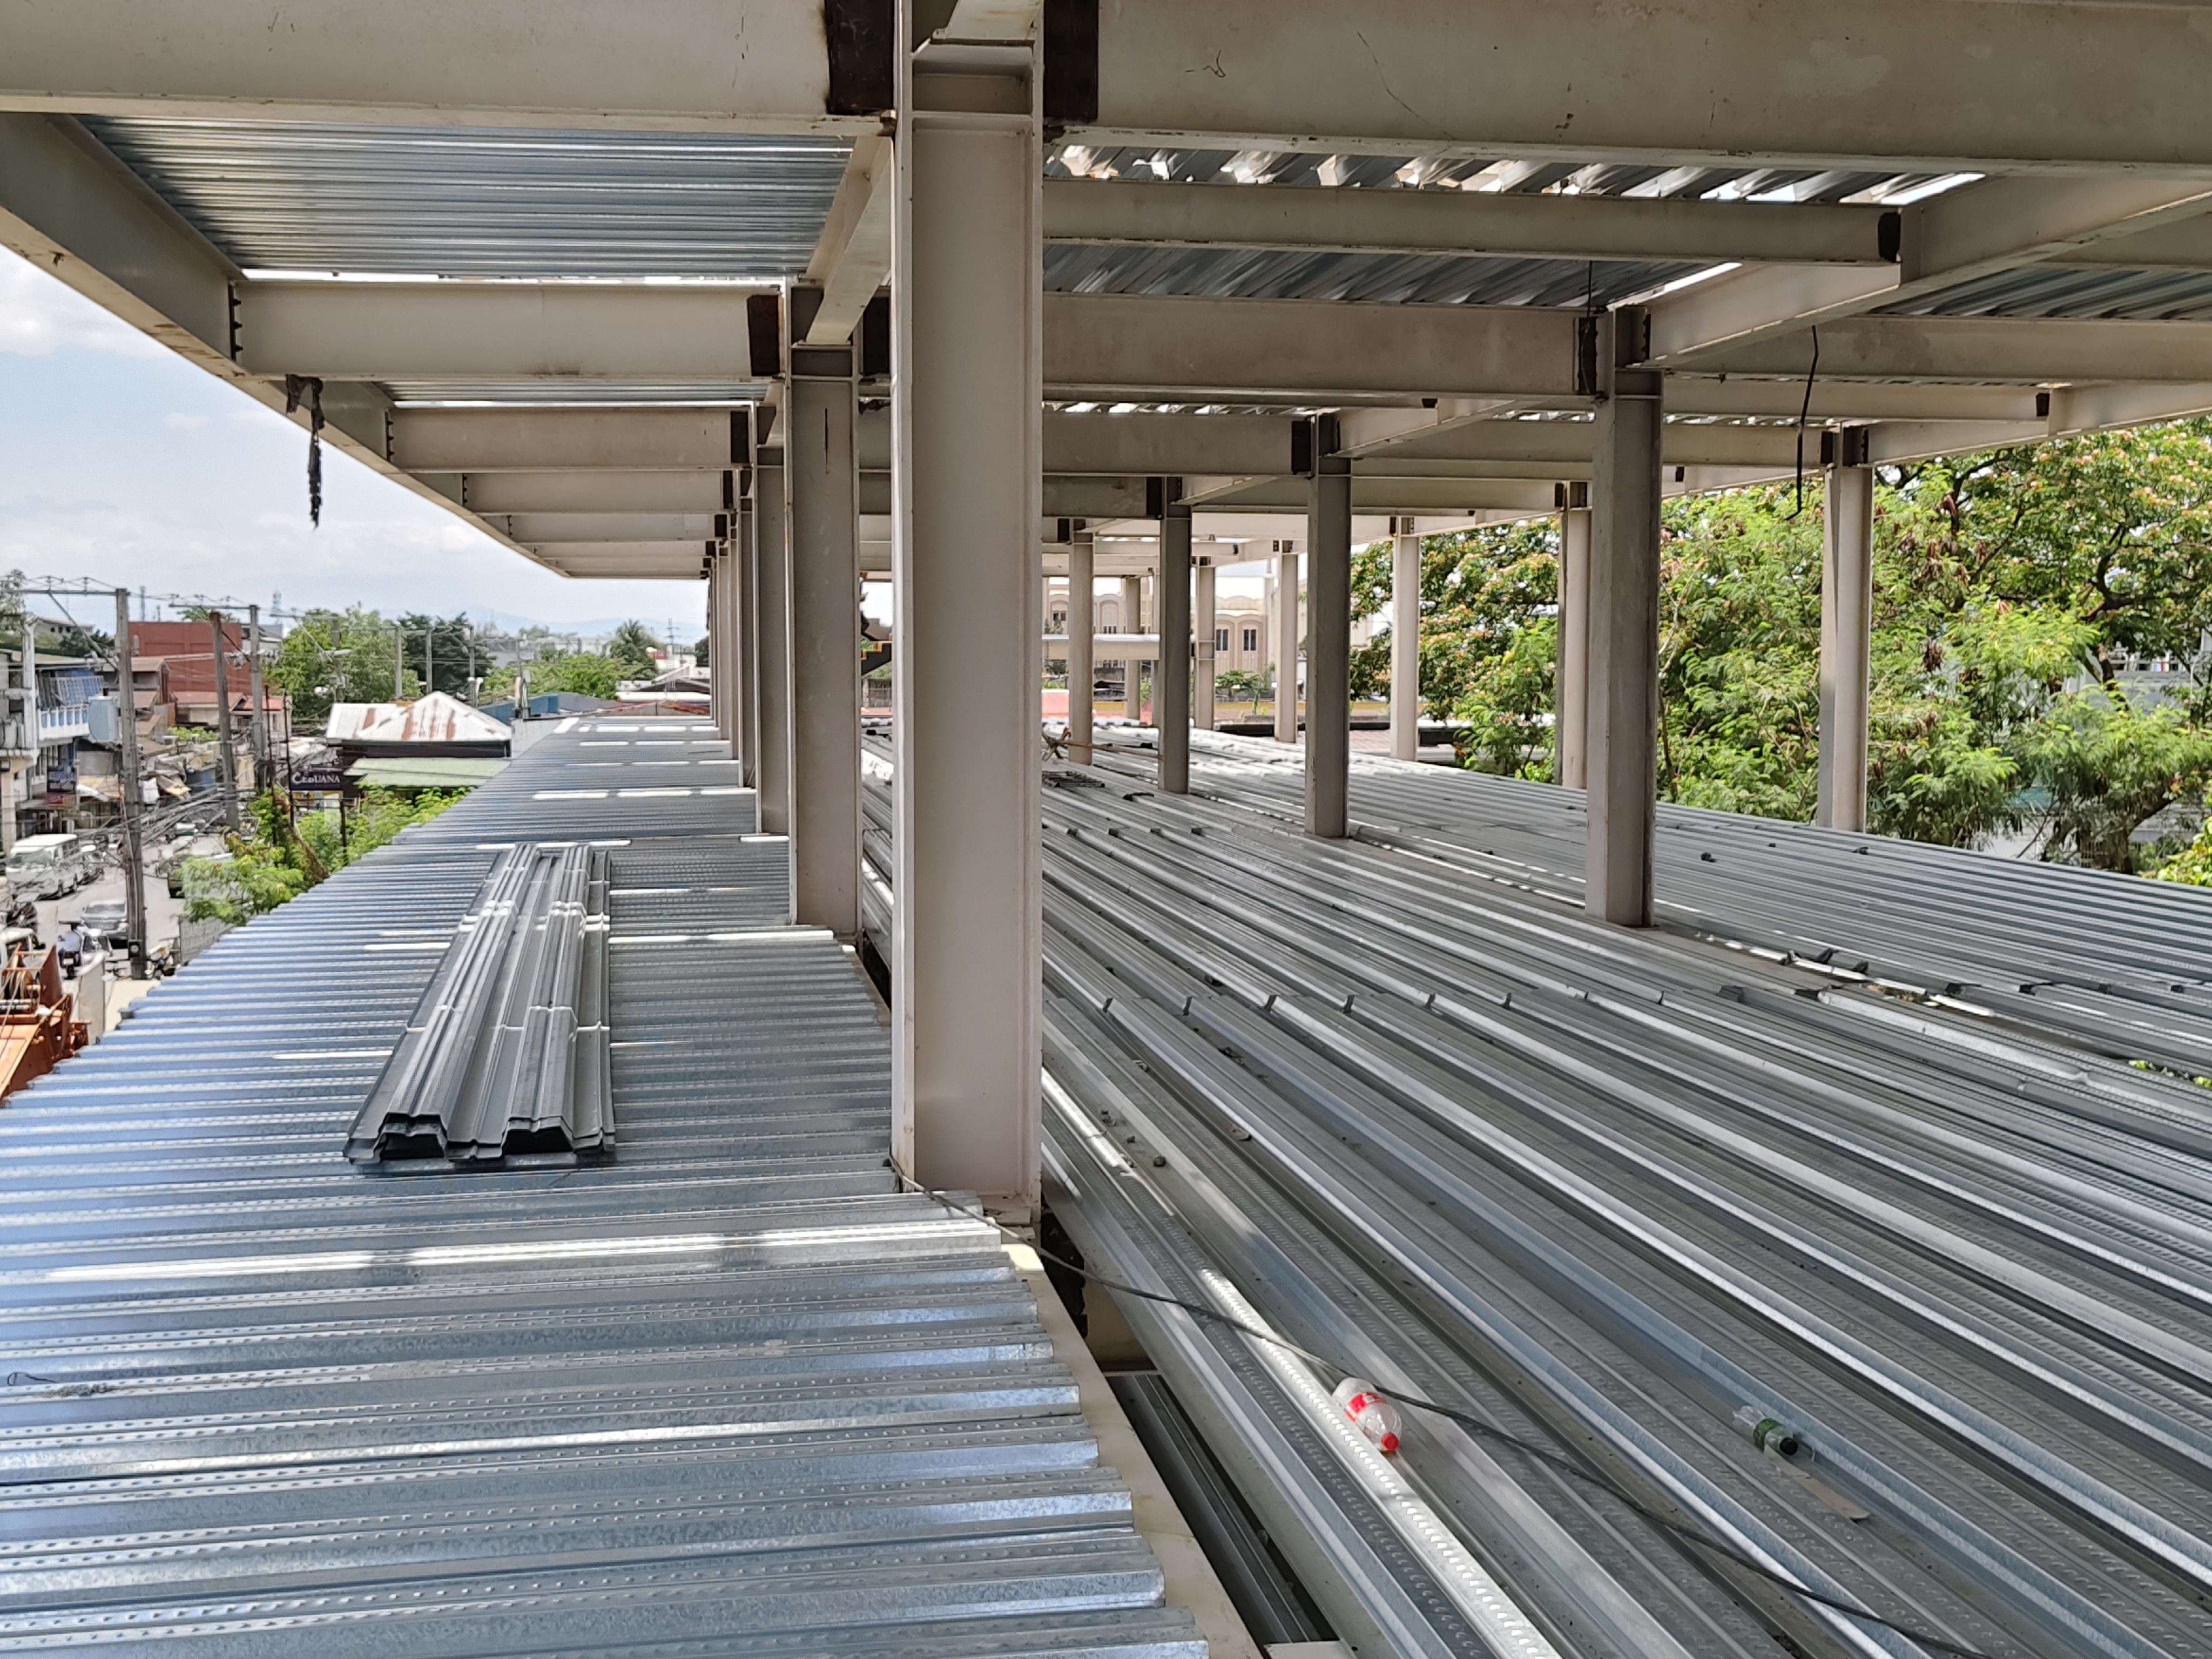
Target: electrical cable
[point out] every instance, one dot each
(1479, 1426)
(1804, 411)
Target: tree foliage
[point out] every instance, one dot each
(2011, 591)
(337, 656)
(275, 858)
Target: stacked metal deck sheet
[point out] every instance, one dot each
(730, 1394)
(1780, 1314)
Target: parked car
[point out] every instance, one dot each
(47, 866)
(105, 922)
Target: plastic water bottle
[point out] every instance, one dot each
(1370, 1413)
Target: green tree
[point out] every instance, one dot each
(1234, 682)
(337, 656)
(585, 673)
(631, 647)
(443, 645)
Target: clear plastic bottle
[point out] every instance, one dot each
(1370, 1413)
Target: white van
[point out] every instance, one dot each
(47, 866)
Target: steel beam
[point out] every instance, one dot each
(1100, 345)
(624, 560)
(543, 529)
(1460, 222)
(1975, 85)
(593, 490)
(2028, 352)
(854, 256)
(538, 440)
(556, 330)
(1956, 238)
(684, 65)
(1148, 444)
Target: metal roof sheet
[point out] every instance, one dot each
(462, 201)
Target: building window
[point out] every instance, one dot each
(1220, 639)
(1251, 639)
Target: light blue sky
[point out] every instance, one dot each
(121, 462)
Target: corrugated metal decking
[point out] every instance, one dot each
(733, 1394)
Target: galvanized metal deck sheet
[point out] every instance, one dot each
(734, 1394)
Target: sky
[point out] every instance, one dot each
(121, 463)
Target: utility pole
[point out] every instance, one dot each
(398, 658)
(30, 710)
(258, 732)
(226, 762)
(430, 634)
(133, 809)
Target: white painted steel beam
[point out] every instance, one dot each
(1426, 221)
(854, 257)
(2096, 408)
(594, 490)
(967, 983)
(1100, 345)
(1148, 444)
(544, 529)
(1986, 348)
(540, 441)
(684, 65)
(1977, 85)
(1955, 238)
(626, 561)
(578, 331)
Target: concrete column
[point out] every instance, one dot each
(1204, 626)
(1285, 626)
(772, 633)
(1846, 628)
(823, 491)
(1405, 643)
(967, 976)
(1082, 658)
(1171, 608)
(1570, 683)
(1623, 633)
(1329, 630)
(1133, 670)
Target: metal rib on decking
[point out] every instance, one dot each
(733, 1388)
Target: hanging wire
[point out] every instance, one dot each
(1804, 411)
(308, 390)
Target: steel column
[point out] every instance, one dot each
(967, 448)
(1205, 625)
(772, 631)
(226, 758)
(1624, 633)
(1846, 625)
(1328, 627)
(747, 596)
(1133, 669)
(1406, 645)
(825, 617)
(1082, 645)
(1571, 693)
(1171, 613)
(1285, 626)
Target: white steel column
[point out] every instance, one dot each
(1133, 670)
(1284, 625)
(1328, 627)
(1846, 625)
(772, 633)
(1624, 633)
(1205, 625)
(1405, 643)
(967, 979)
(718, 701)
(825, 634)
(1571, 672)
(1171, 616)
(1082, 645)
(746, 593)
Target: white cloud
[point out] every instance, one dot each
(39, 314)
(184, 423)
